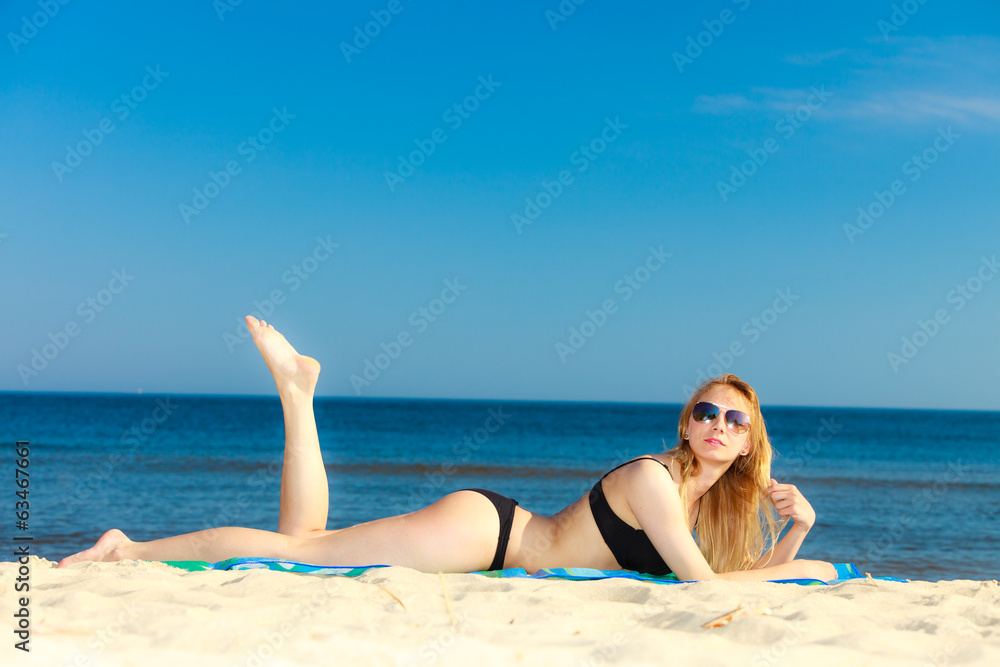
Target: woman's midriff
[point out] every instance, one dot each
(569, 538)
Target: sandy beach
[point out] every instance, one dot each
(147, 613)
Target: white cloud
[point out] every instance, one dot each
(917, 105)
(760, 99)
(720, 105)
(810, 59)
(909, 79)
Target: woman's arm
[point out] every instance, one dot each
(654, 499)
(786, 548)
(796, 569)
(790, 503)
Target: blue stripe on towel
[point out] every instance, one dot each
(845, 571)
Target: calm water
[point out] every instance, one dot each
(899, 492)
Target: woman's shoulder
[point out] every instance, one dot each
(659, 457)
(651, 481)
(647, 464)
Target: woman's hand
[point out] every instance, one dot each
(790, 503)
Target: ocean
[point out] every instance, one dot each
(907, 493)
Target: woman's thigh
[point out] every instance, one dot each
(458, 533)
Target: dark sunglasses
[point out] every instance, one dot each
(706, 413)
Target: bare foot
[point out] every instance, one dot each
(289, 368)
(108, 548)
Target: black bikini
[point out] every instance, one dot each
(630, 547)
(505, 509)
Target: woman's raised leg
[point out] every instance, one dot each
(305, 493)
(458, 533)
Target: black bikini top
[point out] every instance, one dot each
(630, 547)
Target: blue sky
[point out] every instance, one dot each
(679, 185)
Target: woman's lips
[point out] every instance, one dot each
(714, 442)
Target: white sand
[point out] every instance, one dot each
(140, 613)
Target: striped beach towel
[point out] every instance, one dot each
(845, 571)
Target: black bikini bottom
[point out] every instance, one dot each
(505, 509)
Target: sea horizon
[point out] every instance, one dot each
(764, 406)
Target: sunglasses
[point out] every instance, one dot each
(706, 413)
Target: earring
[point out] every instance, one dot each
(685, 436)
(745, 452)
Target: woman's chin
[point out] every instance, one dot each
(714, 455)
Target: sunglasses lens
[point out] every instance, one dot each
(738, 421)
(705, 412)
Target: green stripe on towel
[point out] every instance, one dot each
(845, 571)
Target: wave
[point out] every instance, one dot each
(936, 484)
(185, 465)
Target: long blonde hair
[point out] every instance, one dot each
(734, 515)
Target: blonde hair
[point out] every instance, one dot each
(734, 514)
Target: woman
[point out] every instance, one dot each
(639, 516)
